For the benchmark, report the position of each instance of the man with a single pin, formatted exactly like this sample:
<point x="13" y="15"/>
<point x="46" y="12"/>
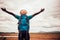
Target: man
<point x="23" y="24"/>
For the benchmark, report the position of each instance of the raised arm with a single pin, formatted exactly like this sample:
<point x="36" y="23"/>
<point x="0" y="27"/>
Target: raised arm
<point x="4" y="9"/>
<point x="38" y="12"/>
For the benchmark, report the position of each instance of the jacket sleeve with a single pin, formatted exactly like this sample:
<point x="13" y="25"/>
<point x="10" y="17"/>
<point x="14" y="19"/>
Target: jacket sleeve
<point x="30" y="17"/>
<point x="16" y="16"/>
<point x="38" y="12"/>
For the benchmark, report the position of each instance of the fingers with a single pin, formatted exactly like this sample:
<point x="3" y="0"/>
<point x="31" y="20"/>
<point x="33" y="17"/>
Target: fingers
<point x="4" y="9"/>
<point x="42" y="9"/>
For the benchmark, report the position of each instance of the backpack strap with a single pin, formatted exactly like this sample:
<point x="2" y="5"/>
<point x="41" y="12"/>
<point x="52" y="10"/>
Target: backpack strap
<point x="26" y="19"/>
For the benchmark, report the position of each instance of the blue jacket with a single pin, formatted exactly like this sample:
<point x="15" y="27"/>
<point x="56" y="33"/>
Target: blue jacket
<point x="23" y="25"/>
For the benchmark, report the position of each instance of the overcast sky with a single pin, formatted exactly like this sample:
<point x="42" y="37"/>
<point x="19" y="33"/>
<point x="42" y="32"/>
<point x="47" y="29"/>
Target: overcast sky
<point x="47" y="21"/>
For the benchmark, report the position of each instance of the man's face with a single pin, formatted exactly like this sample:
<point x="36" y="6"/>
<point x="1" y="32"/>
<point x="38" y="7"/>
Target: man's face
<point x="23" y="12"/>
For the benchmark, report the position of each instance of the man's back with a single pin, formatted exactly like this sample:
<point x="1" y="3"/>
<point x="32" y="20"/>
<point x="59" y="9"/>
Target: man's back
<point x="23" y="24"/>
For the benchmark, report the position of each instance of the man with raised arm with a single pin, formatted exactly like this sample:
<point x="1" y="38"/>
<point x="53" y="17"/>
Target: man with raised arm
<point x="23" y="24"/>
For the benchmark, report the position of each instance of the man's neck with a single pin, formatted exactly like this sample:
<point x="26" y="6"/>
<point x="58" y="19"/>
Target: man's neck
<point x="23" y="14"/>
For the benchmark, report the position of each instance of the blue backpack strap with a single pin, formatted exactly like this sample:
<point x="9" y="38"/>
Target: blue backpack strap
<point x="20" y="20"/>
<point x="26" y="19"/>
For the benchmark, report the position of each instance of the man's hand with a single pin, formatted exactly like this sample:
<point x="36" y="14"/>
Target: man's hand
<point x="42" y="10"/>
<point x="4" y="9"/>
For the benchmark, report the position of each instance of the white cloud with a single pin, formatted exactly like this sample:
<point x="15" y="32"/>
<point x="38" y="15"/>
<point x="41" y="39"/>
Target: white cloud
<point x="49" y="18"/>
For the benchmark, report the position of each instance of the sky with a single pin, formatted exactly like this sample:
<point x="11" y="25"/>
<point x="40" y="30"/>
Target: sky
<point x="47" y="21"/>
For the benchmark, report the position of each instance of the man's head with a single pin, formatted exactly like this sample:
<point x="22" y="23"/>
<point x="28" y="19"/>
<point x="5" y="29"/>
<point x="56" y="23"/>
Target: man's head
<point x="23" y="12"/>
